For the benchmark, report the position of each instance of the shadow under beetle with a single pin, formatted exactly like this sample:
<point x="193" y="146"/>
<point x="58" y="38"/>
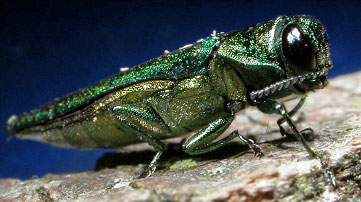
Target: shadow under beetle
<point x="198" y="87"/>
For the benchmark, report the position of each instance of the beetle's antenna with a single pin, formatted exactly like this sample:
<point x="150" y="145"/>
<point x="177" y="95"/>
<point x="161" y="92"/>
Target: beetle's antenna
<point x="285" y="84"/>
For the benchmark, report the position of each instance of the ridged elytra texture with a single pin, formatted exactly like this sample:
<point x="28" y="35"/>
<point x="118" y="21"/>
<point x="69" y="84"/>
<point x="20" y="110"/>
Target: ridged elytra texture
<point x="178" y="65"/>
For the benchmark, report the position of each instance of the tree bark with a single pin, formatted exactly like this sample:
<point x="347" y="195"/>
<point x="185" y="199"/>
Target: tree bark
<point x="284" y="173"/>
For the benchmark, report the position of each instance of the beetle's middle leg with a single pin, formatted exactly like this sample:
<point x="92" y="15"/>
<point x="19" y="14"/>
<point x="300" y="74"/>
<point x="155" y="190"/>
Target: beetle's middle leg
<point x="141" y="121"/>
<point x="201" y="142"/>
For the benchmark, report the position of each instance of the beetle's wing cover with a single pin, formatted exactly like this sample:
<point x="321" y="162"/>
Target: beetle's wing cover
<point x="182" y="63"/>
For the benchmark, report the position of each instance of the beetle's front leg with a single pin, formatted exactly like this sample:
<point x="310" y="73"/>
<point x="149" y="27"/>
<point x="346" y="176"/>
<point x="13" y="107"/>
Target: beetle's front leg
<point x="280" y="121"/>
<point x="270" y="106"/>
<point x="201" y="142"/>
<point x="140" y="121"/>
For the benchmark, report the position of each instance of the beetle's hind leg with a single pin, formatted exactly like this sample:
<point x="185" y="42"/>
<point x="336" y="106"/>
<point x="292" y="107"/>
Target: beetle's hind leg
<point x="143" y="122"/>
<point x="202" y="141"/>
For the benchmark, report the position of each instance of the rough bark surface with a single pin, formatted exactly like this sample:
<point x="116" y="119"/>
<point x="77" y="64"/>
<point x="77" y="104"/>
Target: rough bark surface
<point x="284" y="173"/>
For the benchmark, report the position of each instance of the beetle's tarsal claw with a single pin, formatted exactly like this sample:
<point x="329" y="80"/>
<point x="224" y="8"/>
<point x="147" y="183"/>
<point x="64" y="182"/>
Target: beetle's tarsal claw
<point x="330" y="178"/>
<point x="327" y="172"/>
<point x="152" y="166"/>
<point x="147" y="172"/>
<point x="256" y="149"/>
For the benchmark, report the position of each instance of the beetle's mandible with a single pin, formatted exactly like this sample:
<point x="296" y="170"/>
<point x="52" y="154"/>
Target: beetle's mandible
<point x="198" y="87"/>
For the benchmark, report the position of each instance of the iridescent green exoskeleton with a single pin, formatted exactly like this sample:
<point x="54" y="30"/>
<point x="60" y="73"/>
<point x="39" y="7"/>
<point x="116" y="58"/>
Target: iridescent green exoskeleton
<point x="198" y="87"/>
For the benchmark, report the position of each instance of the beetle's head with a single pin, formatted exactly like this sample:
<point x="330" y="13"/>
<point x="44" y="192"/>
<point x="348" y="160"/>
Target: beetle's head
<point x="305" y="52"/>
<point x="290" y="53"/>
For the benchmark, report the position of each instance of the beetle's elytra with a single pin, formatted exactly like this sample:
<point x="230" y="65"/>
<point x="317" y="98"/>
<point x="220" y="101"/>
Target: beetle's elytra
<point x="198" y="87"/>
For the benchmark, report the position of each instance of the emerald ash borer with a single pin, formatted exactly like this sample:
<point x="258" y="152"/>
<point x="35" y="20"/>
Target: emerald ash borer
<point x="197" y="88"/>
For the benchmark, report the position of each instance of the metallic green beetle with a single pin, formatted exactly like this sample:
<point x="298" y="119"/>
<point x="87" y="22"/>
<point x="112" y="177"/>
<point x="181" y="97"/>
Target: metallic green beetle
<point x="198" y="87"/>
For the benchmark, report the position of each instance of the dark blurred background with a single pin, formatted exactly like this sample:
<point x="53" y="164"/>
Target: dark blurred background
<point x="51" y="48"/>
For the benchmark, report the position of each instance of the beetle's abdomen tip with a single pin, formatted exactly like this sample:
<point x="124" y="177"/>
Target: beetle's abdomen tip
<point x="10" y="124"/>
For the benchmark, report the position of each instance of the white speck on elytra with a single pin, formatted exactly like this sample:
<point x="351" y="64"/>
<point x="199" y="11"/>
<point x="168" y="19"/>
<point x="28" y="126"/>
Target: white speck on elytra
<point x="214" y="33"/>
<point x="186" y="46"/>
<point x="124" y="69"/>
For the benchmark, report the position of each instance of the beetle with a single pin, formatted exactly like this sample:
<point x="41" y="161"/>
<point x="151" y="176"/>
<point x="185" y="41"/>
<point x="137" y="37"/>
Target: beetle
<point x="198" y="87"/>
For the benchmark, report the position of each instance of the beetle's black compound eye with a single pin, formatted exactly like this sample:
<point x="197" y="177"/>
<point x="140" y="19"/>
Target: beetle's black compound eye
<point x="297" y="49"/>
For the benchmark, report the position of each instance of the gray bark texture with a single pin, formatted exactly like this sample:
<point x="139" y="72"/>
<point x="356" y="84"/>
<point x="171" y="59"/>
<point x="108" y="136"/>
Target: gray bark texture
<point x="284" y="173"/>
